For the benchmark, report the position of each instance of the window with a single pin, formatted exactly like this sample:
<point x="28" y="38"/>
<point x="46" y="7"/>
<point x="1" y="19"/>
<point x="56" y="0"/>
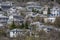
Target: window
<point x="0" y="9"/>
<point x="38" y="7"/>
<point x="30" y="7"/>
<point x="13" y="31"/>
<point x="52" y="0"/>
<point x="51" y="20"/>
<point x="54" y="14"/>
<point x="57" y="14"/>
<point x="6" y="7"/>
<point x="56" y="8"/>
<point x="51" y="14"/>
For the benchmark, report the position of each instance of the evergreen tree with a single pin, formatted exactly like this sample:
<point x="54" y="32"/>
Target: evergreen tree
<point x="37" y="11"/>
<point x="34" y="10"/>
<point x="26" y="25"/>
<point x="48" y="10"/>
<point x="12" y="26"/>
<point x="22" y="26"/>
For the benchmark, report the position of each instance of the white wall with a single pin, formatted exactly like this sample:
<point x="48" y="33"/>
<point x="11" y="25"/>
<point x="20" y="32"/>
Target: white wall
<point x="55" y="11"/>
<point x="52" y="20"/>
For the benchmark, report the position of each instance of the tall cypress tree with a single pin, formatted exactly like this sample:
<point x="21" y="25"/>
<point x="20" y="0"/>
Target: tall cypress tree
<point x="48" y="10"/>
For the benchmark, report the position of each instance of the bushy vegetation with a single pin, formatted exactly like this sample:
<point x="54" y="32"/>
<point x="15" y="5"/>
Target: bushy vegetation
<point x="41" y="35"/>
<point x="13" y="25"/>
<point x="35" y="11"/>
<point x="57" y="22"/>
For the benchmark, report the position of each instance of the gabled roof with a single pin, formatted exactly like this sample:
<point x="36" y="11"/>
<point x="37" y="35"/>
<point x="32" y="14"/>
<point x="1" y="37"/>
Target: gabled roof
<point x="33" y="3"/>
